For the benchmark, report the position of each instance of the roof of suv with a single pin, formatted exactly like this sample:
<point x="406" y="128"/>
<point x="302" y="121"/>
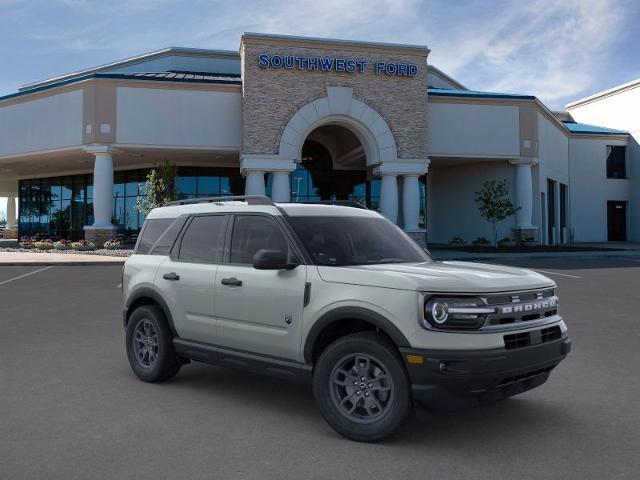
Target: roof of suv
<point x="293" y="209"/>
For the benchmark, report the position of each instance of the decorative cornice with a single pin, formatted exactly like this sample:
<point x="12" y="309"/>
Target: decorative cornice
<point x="533" y="161"/>
<point x="96" y="149"/>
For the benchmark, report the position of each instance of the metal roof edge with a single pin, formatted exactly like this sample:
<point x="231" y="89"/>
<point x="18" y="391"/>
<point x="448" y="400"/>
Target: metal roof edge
<point x="121" y="76"/>
<point x="604" y="93"/>
<point x="446" y="76"/>
<point x="129" y="61"/>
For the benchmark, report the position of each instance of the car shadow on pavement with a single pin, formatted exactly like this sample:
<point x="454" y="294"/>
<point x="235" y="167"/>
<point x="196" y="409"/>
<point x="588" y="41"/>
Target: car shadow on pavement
<point x="514" y="419"/>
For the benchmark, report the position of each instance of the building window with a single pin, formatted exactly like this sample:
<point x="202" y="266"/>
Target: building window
<point x="60" y="207"/>
<point x="616" y="161"/>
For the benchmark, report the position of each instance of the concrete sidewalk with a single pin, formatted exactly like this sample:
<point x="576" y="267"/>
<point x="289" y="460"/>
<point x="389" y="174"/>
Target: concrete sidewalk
<point x="37" y="259"/>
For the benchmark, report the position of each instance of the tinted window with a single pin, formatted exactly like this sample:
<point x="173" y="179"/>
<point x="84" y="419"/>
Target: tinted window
<point x="204" y="240"/>
<point x="616" y="167"/>
<point x="151" y="232"/>
<point x="339" y="241"/>
<point x="253" y="233"/>
<point x="168" y="238"/>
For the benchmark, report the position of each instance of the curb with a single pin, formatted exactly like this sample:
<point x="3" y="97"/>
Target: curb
<point x="72" y="263"/>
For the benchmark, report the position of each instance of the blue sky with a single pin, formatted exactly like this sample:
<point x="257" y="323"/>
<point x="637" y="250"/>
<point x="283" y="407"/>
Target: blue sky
<point x="558" y="50"/>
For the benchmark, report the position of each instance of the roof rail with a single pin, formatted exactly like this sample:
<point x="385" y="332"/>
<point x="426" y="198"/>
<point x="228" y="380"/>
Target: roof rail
<point x="250" y="199"/>
<point x="341" y="203"/>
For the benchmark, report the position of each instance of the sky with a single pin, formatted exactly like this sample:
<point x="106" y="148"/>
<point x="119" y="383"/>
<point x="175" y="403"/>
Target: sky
<point x="558" y="50"/>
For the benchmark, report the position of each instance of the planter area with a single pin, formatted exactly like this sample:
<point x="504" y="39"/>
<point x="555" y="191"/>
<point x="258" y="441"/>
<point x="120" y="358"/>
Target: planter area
<point x="123" y="252"/>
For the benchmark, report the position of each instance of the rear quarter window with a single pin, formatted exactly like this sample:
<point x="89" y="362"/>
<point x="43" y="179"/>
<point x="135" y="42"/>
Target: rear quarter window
<point x="152" y="231"/>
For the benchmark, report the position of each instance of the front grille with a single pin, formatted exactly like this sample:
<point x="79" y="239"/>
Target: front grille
<point x="535" y="337"/>
<point x="521" y="307"/>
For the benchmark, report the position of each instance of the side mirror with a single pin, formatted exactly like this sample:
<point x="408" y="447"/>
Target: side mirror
<point x="272" y="260"/>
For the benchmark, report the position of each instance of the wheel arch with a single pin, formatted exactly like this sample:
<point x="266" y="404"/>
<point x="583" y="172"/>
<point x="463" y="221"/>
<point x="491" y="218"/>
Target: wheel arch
<point x="148" y="296"/>
<point x="329" y="322"/>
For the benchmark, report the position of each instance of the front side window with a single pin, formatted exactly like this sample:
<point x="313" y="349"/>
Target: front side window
<point x="344" y="241"/>
<point x="203" y="241"/>
<point x="252" y="233"/>
<point x="616" y="161"/>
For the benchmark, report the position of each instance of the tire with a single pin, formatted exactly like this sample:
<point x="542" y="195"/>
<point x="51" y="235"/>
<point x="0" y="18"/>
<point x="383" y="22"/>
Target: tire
<point x="150" y="345"/>
<point x="384" y="400"/>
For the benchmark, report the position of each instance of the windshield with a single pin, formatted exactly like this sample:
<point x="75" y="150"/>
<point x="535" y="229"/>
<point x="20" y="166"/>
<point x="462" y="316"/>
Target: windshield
<point x="341" y="241"/>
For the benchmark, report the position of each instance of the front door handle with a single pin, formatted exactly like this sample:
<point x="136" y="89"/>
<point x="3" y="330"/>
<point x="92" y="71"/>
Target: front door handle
<point x="232" y="282"/>
<point x="171" y="276"/>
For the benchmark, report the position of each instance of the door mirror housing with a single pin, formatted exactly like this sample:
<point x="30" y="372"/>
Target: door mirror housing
<point x="272" y="260"/>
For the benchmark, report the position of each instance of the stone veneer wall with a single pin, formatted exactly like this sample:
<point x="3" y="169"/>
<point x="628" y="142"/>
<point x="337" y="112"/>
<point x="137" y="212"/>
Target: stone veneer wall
<point x="271" y="96"/>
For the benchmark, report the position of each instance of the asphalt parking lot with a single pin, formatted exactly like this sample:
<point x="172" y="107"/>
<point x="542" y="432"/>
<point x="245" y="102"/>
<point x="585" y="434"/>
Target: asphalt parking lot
<point x="71" y="408"/>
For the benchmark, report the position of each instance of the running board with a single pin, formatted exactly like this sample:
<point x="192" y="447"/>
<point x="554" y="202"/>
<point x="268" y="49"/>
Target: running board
<point x="224" y="357"/>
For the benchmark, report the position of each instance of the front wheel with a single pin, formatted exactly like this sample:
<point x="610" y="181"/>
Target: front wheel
<point x="362" y="388"/>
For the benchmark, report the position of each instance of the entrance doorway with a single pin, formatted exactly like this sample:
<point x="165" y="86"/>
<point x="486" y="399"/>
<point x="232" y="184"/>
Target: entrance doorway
<point x="617" y="221"/>
<point x="333" y="167"/>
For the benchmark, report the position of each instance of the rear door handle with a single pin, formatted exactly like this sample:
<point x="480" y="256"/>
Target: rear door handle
<point x="232" y="282"/>
<point x="171" y="276"/>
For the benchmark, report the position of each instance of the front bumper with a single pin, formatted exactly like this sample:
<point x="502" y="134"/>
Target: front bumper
<point x="453" y="379"/>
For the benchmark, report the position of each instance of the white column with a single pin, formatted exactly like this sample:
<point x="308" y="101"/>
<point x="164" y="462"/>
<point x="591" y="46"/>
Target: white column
<point x="103" y="189"/>
<point x="280" y="190"/>
<point x="254" y="182"/>
<point x="389" y="196"/>
<point x="11" y="212"/>
<point x="410" y="202"/>
<point x="524" y="192"/>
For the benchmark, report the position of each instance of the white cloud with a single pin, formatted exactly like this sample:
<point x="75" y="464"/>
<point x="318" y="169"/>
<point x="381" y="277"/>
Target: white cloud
<point x="553" y="49"/>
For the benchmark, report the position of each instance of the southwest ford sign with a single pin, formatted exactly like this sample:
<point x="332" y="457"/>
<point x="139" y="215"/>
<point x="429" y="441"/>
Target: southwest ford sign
<point x="335" y="64"/>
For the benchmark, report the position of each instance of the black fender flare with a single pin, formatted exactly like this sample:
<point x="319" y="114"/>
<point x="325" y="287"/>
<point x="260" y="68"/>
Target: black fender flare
<point x="355" y="313"/>
<point x="147" y="292"/>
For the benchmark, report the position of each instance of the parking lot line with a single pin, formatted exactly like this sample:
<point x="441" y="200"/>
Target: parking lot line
<point x="25" y="275"/>
<point x="556" y="273"/>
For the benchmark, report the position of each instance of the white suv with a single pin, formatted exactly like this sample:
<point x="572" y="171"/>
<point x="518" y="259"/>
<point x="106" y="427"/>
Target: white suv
<point x="339" y="296"/>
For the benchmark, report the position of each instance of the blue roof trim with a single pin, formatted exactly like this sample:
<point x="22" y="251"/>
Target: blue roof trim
<point x="226" y="79"/>
<point x="575" y="127"/>
<point x="445" y="92"/>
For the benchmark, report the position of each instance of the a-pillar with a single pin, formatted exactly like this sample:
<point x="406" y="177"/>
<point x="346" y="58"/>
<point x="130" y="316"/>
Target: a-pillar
<point x="524" y="198"/>
<point x="102" y="229"/>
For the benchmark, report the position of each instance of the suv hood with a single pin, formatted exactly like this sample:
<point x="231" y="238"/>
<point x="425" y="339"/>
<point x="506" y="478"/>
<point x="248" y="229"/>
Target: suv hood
<point x="450" y="277"/>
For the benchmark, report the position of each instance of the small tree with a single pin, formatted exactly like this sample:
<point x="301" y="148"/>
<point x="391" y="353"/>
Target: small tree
<point x="494" y="203"/>
<point x="159" y="188"/>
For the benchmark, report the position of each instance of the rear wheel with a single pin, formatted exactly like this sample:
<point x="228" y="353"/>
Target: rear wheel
<point x="150" y="345"/>
<point x="361" y="387"/>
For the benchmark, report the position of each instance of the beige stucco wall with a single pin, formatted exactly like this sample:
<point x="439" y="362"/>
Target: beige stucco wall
<point x="272" y="96"/>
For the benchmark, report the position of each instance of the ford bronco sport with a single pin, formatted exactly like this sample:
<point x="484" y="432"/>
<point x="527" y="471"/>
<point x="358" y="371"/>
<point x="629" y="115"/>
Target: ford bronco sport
<point x="339" y="296"/>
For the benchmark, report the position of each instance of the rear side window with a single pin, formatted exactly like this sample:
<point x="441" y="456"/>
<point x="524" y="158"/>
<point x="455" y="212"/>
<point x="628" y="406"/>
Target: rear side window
<point x="252" y="233"/>
<point x="168" y="238"/>
<point x="203" y="241"/>
<point x="150" y="234"/>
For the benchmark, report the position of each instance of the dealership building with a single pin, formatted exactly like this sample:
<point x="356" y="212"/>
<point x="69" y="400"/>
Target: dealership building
<point x="307" y="120"/>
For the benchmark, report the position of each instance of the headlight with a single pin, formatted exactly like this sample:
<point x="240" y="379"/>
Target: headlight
<point x="455" y="312"/>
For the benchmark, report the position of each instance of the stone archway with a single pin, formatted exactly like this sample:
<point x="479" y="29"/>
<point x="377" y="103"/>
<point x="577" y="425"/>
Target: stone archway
<point x="340" y="108"/>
